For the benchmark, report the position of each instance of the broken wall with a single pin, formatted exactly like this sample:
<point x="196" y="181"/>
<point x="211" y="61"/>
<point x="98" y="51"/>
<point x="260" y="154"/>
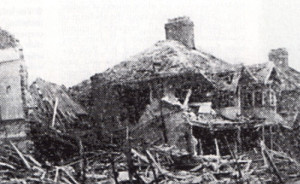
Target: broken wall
<point x="163" y="122"/>
<point x="115" y="106"/>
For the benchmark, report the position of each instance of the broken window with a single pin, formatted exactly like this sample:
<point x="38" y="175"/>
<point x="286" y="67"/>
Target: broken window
<point x="259" y="100"/>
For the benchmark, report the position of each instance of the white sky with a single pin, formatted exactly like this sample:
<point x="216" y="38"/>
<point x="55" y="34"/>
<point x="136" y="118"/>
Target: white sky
<point x="67" y="41"/>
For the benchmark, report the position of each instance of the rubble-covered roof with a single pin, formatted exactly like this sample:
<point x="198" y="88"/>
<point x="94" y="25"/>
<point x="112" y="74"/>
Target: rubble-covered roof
<point x="290" y="78"/>
<point x="7" y="40"/>
<point x="10" y="49"/>
<point x="227" y="80"/>
<point x="165" y="58"/>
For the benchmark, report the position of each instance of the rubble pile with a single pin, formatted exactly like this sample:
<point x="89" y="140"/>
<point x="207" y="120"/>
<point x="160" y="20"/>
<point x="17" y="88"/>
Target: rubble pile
<point x="165" y="164"/>
<point x="156" y="164"/>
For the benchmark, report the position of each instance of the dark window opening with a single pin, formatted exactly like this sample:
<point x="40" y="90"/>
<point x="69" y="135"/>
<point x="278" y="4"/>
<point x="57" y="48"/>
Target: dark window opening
<point x="272" y="98"/>
<point x="259" y="100"/>
<point x="247" y="100"/>
<point x="8" y="89"/>
<point x="225" y="99"/>
<point x="266" y="98"/>
<point x="229" y="79"/>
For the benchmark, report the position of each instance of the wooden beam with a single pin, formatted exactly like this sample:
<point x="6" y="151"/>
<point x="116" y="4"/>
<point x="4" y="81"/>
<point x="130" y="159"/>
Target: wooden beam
<point x="263" y="132"/>
<point x="217" y="148"/>
<point x="54" y="112"/>
<point x="26" y="163"/>
<point x="239" y="140"/>
<point x="271" y="138"/>
<point x="270" y="162"/>
<point x="200" y="151"/>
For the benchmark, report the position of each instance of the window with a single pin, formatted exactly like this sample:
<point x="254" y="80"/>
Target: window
<point x="272" y="98"/>
<point x="8" y="89"/>
<point x="225" y="99"/>
<point x="266" y="96"/>
<point x="247" y="99"/>
<point x="259" y="100"/>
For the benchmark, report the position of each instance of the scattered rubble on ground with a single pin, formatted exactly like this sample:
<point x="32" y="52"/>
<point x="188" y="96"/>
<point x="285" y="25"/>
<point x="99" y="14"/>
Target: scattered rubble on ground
<point x="157" y="164"/>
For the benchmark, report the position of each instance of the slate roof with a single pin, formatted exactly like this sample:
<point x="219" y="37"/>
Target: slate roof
<point x="261" y="71"/>
<point x="227" y="80"/>
<point x="289" y="77"/>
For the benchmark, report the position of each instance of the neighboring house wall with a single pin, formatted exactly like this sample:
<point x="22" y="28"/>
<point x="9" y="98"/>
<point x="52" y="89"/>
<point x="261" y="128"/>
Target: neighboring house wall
<point x="13" y="86"/>
<point x="13" y="89"/>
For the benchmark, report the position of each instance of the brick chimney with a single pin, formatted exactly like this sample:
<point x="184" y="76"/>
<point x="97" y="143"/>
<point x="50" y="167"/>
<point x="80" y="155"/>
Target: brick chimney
<point x="181" y="29"/>
<point x="280" y="57"/>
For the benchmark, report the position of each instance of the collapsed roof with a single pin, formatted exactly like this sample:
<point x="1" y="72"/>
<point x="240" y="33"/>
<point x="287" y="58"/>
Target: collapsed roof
<point x="44" y="95"/>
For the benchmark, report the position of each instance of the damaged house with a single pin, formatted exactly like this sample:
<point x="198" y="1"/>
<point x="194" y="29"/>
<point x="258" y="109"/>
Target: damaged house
<point x="177" y="94"/>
